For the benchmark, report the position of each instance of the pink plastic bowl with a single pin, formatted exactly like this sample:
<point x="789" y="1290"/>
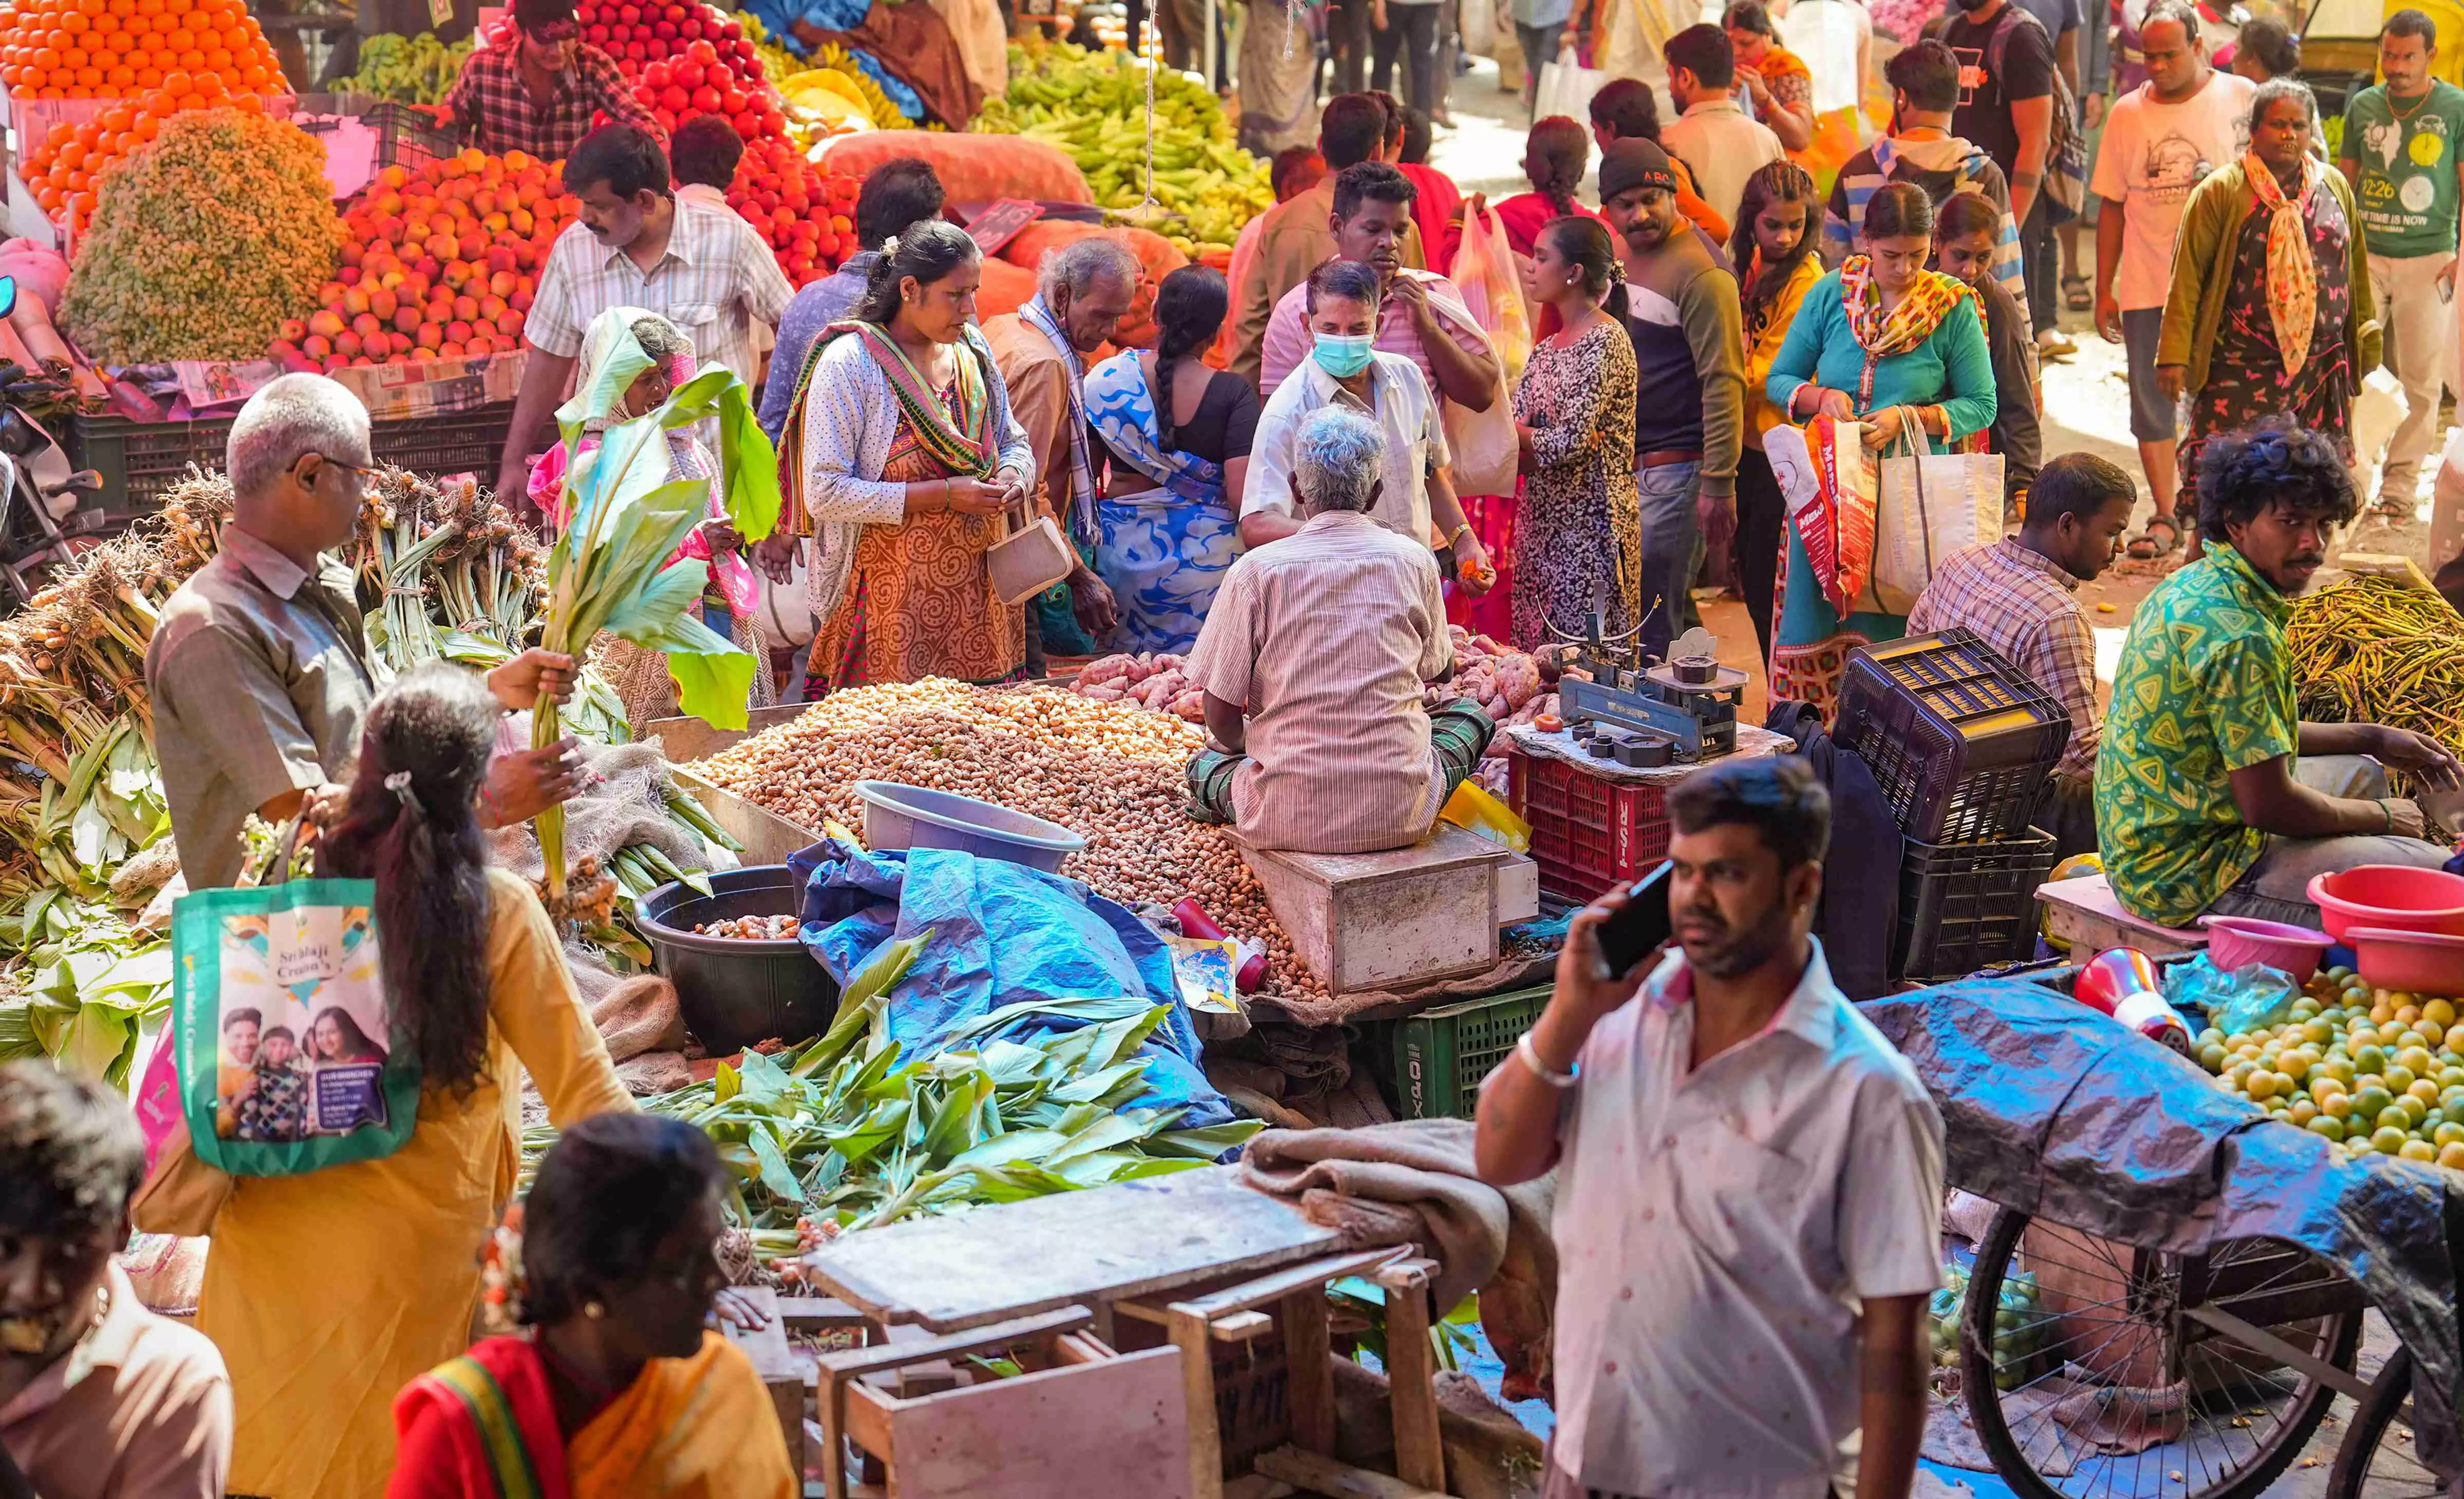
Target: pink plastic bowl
<point x="2418" y="962"/>
<point x="2236" y="942"/>
<point x="2391" y="896"/>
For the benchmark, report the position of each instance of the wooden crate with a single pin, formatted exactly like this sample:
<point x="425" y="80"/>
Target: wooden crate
<point x="1394" y="918"/>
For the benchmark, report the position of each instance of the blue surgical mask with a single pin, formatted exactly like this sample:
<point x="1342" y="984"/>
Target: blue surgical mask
<point x="1343" y="355"/>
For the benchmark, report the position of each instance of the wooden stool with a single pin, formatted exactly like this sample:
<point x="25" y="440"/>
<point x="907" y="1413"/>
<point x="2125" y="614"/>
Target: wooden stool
<point x="1400" y="916"/>
<point x="2084" y="912"/>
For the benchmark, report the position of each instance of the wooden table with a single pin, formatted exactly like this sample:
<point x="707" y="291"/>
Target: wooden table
<point x="1084" y="1249"/>
<point x="2084" y="912"/>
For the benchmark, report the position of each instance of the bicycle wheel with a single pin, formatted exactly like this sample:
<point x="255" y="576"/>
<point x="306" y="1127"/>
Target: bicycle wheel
<point x="2376" y="1460"/>
<point x="2103" y="1389"/>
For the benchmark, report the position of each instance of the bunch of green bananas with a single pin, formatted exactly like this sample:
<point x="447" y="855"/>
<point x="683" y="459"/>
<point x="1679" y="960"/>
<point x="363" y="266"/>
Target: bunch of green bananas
<point x="409" y="70"/>
<point x="1092" y="105"/>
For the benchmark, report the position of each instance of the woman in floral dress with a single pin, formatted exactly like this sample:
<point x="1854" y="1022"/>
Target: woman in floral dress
<point x="1578" y="541"/>
<point x="2270" y="313"/>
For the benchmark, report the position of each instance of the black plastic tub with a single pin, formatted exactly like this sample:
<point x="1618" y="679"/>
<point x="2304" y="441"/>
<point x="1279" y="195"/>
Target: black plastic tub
<point x="736" y="992"/>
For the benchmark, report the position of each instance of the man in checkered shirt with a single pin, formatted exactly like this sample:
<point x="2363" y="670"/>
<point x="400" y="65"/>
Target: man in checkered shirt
<point x="2018" y="595"/>
<point x="635" y="245"/>
<point x="541" y="93"/>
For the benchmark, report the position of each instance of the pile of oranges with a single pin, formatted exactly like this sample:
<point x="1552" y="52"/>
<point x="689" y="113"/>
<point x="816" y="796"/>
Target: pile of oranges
<point x="125" y="49"/>
<point x="66" y="170"/>
<point x="437" y="264"/>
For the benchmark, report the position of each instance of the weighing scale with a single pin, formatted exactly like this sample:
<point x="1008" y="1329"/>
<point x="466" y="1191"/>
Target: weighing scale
<point x="1690" y="701"/>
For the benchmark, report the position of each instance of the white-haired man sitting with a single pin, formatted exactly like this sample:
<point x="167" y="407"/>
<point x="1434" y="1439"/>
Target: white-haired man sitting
<point x="259" y="671"/>
<point x="1313" y="659"/>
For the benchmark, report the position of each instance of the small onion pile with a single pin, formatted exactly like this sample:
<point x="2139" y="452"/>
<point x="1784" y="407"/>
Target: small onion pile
<point x="749" y="929"/>
<point x="1109" y="771"/>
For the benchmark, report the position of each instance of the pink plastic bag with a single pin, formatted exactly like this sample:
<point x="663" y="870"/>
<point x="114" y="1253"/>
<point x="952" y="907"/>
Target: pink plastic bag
<point x="157" y="1101"/>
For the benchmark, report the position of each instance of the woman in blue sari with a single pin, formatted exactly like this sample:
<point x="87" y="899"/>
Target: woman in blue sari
<point x="1177" y="435"/>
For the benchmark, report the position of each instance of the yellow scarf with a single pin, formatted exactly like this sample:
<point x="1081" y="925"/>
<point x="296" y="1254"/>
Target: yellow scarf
<point x="689" y="1428"/>
<point x="2292" y="280"/>
<point x="1930" y="297"/>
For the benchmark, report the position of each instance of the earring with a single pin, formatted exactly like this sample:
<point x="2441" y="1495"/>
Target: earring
<point x="593" y="1310"/>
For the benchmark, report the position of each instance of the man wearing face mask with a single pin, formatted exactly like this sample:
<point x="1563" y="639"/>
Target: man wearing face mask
<point x="1083" y="290"/>
<point x="1347" y="369"/>
<point x="99" y="1398"/>
<point x="1685" y="314"/>
<point x="2211" y="794"/>
<point x="539" y="93"/>
<point x="1748" y="1180"/>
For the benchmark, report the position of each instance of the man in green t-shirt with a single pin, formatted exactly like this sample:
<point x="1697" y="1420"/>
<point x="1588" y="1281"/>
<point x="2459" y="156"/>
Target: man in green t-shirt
<point x="2400" y="153"/>
<point x="2211" y="794"/>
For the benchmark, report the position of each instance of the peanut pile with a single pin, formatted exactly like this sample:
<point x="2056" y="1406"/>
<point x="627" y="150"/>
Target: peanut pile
<point x="1109" y="771"/>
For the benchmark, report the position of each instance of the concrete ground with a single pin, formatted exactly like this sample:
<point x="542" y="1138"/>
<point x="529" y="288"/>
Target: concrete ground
<point x="2085" y="397"/>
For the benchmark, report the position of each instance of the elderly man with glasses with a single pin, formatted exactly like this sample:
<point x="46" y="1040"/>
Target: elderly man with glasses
<point x="1312" y="662"/>
<point x="539" y="94"/>
<point x="259" y="671"/>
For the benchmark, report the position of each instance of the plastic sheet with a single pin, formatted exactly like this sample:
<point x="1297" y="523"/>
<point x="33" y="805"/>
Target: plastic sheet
<point x="1003" y="933"/>
<point x="2250" y="997"/>
<point x="2053" y="1109"/>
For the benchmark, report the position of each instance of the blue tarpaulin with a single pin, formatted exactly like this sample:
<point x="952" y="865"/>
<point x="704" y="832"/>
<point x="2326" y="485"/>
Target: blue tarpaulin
<point x="1003" y="933"/>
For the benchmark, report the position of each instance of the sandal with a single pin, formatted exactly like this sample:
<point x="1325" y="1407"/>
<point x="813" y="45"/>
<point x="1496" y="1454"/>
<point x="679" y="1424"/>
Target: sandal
<point x="2076" y="295"/>
<point x="2147" y="545"/>
<point x="2395" y="510"/>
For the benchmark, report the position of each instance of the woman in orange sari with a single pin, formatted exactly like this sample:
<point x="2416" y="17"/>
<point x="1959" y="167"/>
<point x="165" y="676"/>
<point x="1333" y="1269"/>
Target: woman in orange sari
<point x="900" y="451"/>
<point x="619" y="1391"/>
<point x="1782" y="85"/>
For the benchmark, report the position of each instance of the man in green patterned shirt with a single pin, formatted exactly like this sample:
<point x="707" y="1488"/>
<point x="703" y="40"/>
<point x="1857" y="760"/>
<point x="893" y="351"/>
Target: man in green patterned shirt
<point x="2212" y="795"/>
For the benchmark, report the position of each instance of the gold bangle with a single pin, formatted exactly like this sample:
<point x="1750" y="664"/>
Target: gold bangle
<point x="1457" y="534"/>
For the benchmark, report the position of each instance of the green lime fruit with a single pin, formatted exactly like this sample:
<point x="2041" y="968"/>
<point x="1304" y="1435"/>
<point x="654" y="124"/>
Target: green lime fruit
<point x="2329" y="1125"/>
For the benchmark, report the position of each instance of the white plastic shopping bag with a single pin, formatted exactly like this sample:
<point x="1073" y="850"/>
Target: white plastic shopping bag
<point x="1930" y="507"/>
<point x="1567" y="86"/>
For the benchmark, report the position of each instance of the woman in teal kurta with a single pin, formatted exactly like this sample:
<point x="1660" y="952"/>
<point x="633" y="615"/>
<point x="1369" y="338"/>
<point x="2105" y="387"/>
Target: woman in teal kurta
<point x="1875" y="340"/>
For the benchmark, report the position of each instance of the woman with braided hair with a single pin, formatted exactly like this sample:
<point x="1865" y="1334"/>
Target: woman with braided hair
<point x="1177" y="434"/>
<point x="1555" y="155"/>
<point x="478" y="990"/>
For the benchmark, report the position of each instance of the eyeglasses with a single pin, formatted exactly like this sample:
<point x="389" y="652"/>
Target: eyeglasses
<point x="363" y="470"/>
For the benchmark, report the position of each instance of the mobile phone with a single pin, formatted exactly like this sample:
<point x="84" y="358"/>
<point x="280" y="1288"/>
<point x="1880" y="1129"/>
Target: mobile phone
<point x="1628" y="936"/>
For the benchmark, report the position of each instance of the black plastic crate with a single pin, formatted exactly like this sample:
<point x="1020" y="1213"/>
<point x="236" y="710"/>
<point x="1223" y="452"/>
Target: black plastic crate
<point x="1959" y="741"/>
<point x="1968" y="906"/>
<point x="140" y="460"/>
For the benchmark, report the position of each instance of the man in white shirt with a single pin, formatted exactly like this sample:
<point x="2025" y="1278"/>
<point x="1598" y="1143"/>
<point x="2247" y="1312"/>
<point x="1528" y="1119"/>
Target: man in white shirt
<point x="635" y="245"/>
<point x="2160" y="140"/>
<point x="1749" y="1180"/>
<point x="1417" y="498"/>
<point x="1312" y="662"/>
<point x="1718" y="141"/>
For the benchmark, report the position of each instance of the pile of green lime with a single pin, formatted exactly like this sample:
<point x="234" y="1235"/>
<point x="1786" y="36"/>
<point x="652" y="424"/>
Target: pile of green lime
<point x="2018" y="1324"/>
<point x="2375" y="1071"/>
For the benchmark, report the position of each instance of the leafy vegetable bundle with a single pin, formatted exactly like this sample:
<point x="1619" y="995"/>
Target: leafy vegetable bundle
<point x="849" y="1133"/>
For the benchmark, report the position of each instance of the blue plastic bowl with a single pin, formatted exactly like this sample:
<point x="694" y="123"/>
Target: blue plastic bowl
<point x="898" y="816"/>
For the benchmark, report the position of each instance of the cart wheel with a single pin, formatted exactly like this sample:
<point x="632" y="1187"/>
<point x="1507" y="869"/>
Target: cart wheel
<point x="2104" y="1360"/>
<point x="2376" y="1460"/>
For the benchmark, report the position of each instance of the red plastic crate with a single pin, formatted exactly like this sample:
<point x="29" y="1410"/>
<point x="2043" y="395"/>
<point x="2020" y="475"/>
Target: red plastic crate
<point x="1588" y="832"/>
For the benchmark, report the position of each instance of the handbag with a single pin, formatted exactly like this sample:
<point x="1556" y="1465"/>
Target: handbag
<point x="1028" y="560"/>
<point x="1928" y="508"/>
<point x="1567" y="86"/>
<point x="289" y="1057"/>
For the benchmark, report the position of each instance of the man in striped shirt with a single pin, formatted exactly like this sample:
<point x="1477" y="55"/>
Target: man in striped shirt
<point x="1924" y="94"/>
<point x="1312" y="661"/>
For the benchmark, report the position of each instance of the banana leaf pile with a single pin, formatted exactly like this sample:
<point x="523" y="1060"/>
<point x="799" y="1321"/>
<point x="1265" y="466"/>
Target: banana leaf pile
<point x="849" y="1133"/>
<point x="91" y="985"/>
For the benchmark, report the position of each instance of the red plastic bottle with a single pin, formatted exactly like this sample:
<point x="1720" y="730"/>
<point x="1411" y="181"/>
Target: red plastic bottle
<point x="1195" y="923"/>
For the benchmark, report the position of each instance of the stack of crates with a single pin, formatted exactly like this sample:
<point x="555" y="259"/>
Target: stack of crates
<point x="1962" y="745"/>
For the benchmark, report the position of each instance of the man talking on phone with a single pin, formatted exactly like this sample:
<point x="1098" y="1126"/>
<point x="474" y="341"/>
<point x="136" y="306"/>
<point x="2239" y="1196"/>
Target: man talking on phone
<point x="1749" y="1178"/>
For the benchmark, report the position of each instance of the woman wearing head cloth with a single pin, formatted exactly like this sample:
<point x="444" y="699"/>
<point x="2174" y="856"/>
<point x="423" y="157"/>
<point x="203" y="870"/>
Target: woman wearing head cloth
<point x="638" y="673"/>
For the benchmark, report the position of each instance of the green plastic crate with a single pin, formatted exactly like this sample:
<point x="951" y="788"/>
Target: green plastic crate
<point x="1441" y="1055"/>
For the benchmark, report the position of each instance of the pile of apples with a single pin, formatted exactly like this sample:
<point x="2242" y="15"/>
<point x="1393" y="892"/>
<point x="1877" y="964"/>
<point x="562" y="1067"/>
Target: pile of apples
<point x="438" y="264"/>
<point x="807" y="217"/>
